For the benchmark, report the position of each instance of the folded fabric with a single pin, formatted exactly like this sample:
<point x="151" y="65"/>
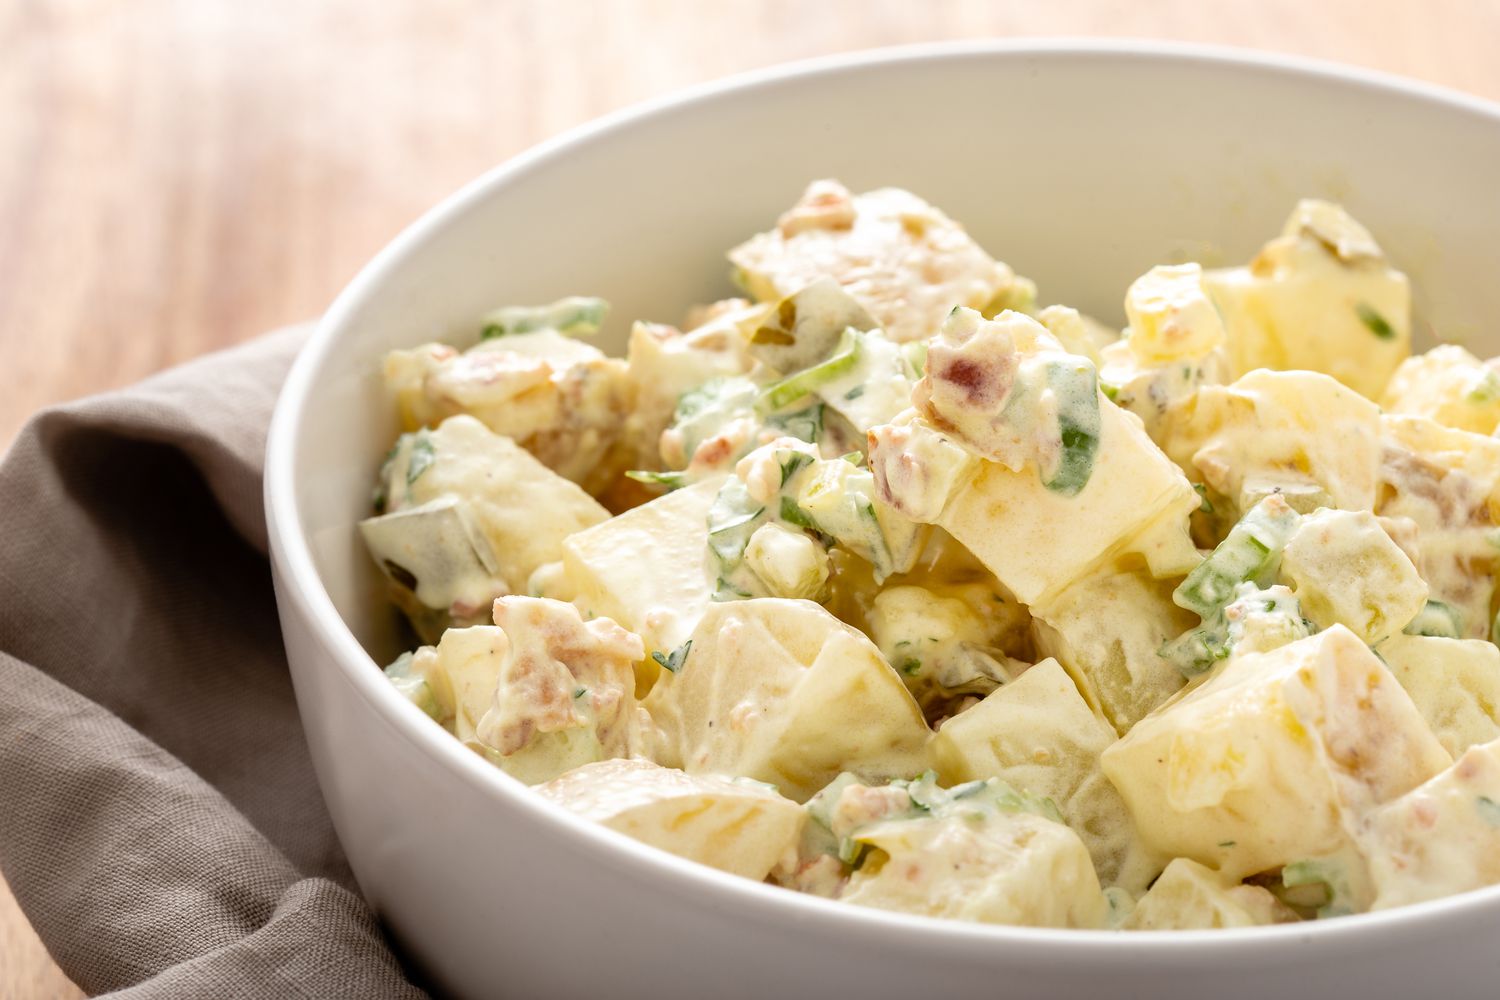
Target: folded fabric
<point x="160" y="822"/>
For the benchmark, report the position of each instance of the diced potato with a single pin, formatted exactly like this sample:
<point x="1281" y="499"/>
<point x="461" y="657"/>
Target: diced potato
<point x="943" y="647"/>
<point x="1344" y="569"/>
<point x="783" y="692"/>
<point x="1274" y="757"/>
<point x="560" y="399"/>
<point x="1171" y="316"/>
<point x="663" y="363"/>
<point x="1003" y="868"/>
<point x="648" y="568"/>
<point x="1078" y="334"/>
<point x="470" y="516"/>
<point x="1455" y="684"/>
<point x="734" y="825"/>
<point x="1442" y="837"/>
<point x="1279" y="429"/>
<point x="1037" y="734"/>
<point x="1447" y="482"/>
<point x="1190" y="897"/>
<point x="1107" y="630"/>
<point x="541" y="692"/>
<point x="1320" y="297"/>
<point x="902" y="259"/>
<point x="1449" y="385"/>
<point x="1036" y="541"/>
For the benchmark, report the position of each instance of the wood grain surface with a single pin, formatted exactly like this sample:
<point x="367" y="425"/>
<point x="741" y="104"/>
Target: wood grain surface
<point x="177" y="177"/>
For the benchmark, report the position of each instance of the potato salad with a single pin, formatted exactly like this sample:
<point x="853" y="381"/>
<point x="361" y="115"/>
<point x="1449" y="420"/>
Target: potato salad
<point x="886" y="583"/>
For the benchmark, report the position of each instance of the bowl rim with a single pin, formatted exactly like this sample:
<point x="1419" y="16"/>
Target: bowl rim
<point x="301" y="584"/>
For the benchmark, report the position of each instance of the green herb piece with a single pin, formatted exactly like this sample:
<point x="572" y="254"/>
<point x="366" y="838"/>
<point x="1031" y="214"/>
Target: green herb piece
<point x="793" y="463"/>
<point x="804" y="425"/>
<point x="731" y="521"/>
<point x="421" y="458"/>
<point x="911" y="667"/>
<point x="727" y="591"/>
<point x="1486" y="392"/>
<point x="855" y="393"/>
<point x="1489" y="810"/>
<point x="674" y="660"/>
<point x="792" y="514"/>
<point x="1336" y="901"/>
<point x="378" y="498"/>
<point x="671" y="480"/>
<point x="1437" y="619"/>
<point x="1205" y="506"/>
<point x="1227" y="843"/>
<point x="1249" y="552"/>
<point x="808" y="380"/>
<point x="1076" y="389"/>
<point x="1374" y="322"/>
<point x="579" y="693"/>
<point x="575" y="316"/>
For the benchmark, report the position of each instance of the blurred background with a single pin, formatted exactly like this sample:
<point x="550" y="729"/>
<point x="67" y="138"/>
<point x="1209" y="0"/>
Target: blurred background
<point x="176" y="177"/>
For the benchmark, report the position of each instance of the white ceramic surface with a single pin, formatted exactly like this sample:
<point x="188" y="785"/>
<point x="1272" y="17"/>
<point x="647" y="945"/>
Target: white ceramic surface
<point x="1079" y="164"/>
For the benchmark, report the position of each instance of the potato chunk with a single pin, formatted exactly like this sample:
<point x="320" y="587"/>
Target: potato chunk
<point x="1037" y="734"/>
<point x="1455" y="684"/>
<point x="734" y="825"/>
<point x="1449" y="385"/>
<point x="901" y="258"/>
<point x="469" y="516"/>
<point x="1292" y="431"/>
<point x="1275" y="757"/>
<point x="1442" y="837"/>
<point x="1320" y="297"/>
<point x="1012" y="448"/>
<point x="647" y="568"/>
<point x="781" y="691"/>
<point x="1107" y="630"/>
<point x="1446" y="482"/>
<point x="557" y="397"/>
<point x="1190" y="897"/>
<point x="1344" y="569"/>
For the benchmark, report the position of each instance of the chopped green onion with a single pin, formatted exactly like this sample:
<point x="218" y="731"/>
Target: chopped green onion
<point x="575" y="316"/>
<point x="422" y="456"/>
<point x="807" y="381"/>
<point x="1375" y="322"/>
<point x="674" y="660"/>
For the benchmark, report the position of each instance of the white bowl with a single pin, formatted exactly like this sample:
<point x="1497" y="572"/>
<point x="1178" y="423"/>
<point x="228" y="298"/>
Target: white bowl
<point x="1079" y="164"/>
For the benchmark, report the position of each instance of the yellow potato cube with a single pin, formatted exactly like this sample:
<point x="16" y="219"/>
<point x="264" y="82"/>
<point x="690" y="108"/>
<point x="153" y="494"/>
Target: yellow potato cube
<point x="1344" y="569"/>
<point x="1285" y="429"/>
<point x="1171" y="316"/>
<point x="1321" y="297"/>
<point x="1449" y="385"/>
<point x="1005" y="868"/>
<point x="731" y="824"/>
<point x="1455" y="684"/>
<point x="1442" y="837"/>
<point x="648" y="568"/>
<point x="1037" y="734"/>
<point x="1190" y="897"/>
<point x="781" y="691"/>
<point x="1037" y="541"/>
<point x="1275" y="757"/>
<point x="1106" y="630"/>
<point x="899" y="257"/>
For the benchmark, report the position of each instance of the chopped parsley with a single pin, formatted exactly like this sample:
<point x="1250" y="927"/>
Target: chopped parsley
<point x="674" y="660"/>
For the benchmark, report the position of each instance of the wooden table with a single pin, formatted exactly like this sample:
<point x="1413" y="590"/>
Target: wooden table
<point x="177" y="177"/>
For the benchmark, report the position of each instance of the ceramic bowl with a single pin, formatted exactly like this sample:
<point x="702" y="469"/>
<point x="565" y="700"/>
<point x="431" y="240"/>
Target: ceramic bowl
<point x="1079" y="164"/>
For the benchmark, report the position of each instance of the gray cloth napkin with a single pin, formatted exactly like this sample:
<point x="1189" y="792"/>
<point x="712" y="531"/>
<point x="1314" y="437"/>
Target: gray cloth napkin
<point x="160" y="823"/>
